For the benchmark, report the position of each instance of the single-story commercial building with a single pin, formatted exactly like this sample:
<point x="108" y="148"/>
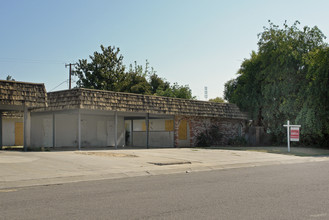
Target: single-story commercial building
<point x="96" y="118"/>
<point x="17" y="100"/>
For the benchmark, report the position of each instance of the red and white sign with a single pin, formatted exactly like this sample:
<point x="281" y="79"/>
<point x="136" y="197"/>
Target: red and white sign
<point x="294" y="134"/>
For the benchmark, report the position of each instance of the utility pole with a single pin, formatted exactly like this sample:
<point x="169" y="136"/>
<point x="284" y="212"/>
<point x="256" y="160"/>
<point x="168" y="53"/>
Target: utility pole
<point x="70" y="73"/>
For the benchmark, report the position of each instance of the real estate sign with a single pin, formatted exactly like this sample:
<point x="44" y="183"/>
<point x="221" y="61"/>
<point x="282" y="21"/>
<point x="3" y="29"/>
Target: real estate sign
<point x="294" y="133"/>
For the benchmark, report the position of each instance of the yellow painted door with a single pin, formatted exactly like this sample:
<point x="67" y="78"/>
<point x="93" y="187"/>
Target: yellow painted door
<point x="182" y="130"/>
<point x="19" y="134"/>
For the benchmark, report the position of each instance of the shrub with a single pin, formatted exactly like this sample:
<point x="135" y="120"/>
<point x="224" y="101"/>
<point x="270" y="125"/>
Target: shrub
<point x="237" y="141"/>
<point x="210" y="136"/>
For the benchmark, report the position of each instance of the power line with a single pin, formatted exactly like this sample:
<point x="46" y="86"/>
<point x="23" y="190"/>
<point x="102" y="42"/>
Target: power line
<point x="59" y="85"/>
<point x="23" y="60"/>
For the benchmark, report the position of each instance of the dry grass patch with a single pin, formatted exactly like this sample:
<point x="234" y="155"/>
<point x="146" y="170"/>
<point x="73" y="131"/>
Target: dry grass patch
<point x="296" y="151"/>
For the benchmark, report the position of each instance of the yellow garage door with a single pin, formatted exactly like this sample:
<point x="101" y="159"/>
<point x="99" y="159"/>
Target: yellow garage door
<point x="19" y="134"/>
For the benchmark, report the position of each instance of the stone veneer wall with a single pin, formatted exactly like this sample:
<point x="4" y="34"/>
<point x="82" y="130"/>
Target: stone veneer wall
<point x="230" y="128"/>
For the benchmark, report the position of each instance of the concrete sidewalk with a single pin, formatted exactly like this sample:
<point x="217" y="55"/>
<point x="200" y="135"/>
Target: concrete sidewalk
<point x="19" y="169"/>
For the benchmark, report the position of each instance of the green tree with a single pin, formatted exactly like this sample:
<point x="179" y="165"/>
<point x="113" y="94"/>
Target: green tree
<point x="217" y="99"/>
<point x="176" y="91"/>
<point x="105" y="71"/>
<point x="271" y="84"/>
<point x="314" y="114"/>
<point x="134" y="81"/>
<point x="157" y="83"/>
<point x="282" y="52"/>
<point x="245" y="90"/>
<point x="10" y="78"/>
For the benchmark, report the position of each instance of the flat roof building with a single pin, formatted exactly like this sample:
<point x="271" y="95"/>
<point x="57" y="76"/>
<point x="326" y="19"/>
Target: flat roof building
<point x="97" y="118"/>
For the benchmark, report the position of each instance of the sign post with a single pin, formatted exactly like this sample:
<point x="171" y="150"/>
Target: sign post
<point x="292" y="133"/>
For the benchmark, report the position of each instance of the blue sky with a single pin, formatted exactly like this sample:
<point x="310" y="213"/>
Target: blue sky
<point x="196" y="43"/>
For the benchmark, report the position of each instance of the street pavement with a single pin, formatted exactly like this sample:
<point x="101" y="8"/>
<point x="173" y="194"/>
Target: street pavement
<point x="20" y="169"/>
<point x="288" y="191"/>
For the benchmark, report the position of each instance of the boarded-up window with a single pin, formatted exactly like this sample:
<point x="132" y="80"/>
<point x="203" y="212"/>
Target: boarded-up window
<point x="19" y="140"/>
<point x="169" y="125"/>
<point x="143" y="126"/>
<point x="182" y="130"/>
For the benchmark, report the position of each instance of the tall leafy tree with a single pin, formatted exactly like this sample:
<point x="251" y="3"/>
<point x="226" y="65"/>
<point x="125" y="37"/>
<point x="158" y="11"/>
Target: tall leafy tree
<point x="105" y="71"/>
<point x="282" y="52"/>
<point x="245" y="90"/>
<point x="271" y="84"/>
<point x="314" y="113"/>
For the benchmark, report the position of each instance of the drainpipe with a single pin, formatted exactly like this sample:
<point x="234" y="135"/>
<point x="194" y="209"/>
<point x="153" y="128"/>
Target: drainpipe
<point x="25" y="128"/>
<point x="116" y="129"/>
<point x="0" y="130"/>
<point x="147" y="130"/>
<point x="79" y="130"/>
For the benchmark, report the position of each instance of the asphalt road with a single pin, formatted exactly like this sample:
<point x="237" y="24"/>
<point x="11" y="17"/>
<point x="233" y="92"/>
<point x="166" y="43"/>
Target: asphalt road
<point x="296" y="191"/>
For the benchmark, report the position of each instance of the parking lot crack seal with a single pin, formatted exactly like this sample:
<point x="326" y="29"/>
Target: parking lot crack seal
<point x="170" y="163"/>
